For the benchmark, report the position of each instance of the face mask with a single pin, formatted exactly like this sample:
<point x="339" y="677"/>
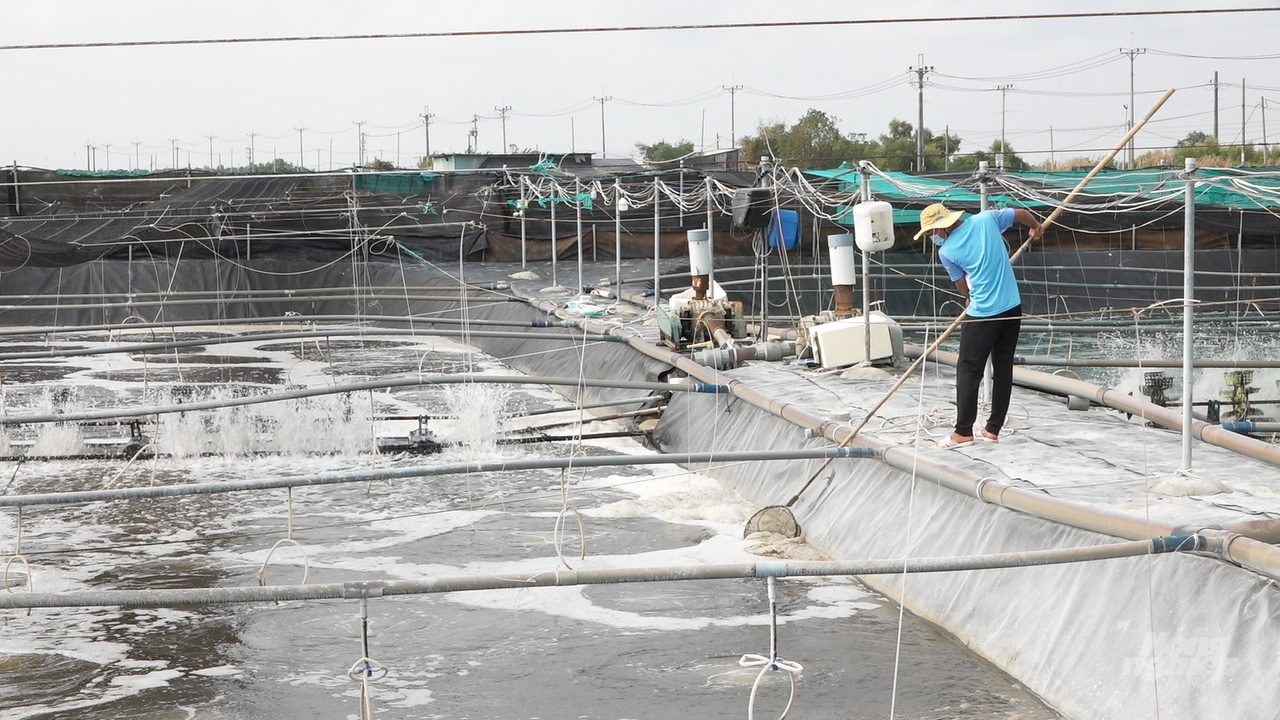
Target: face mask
<point x="937" y="240"/>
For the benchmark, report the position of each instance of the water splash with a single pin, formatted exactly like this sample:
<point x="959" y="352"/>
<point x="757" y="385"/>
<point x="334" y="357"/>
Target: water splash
<point x="480" y="411"/>
<point x="327" y="424"/>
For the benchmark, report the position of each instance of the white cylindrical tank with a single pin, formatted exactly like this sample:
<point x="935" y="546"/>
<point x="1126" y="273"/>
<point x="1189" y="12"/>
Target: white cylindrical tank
<point x="873" y="225"/>
<point x="699" y="251"/>
<point x="844" y="270"/>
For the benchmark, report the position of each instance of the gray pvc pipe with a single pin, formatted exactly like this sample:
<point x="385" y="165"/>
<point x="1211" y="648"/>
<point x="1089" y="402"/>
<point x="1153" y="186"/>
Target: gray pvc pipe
<point x="216" y="488"/>
<point x="315" y="334"/>
<point x="276" y="319"/>
<point x="356" y="387"/>
<point x="567" y="578"/>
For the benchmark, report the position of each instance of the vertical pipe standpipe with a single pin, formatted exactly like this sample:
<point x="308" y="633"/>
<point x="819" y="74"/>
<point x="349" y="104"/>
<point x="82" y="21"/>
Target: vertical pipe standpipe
<point x="860" y="228"/>
<point x="555" y="246"/>
<point x="843" y="272"/>
<point x="699" y="262"/>
<point x="524" y="217"/>
<point x="619" y="207"/>
<point x="1188" y="310"/>
<point x="577" y="206"/>
<point x="711" y="242"/>
<point x="983" y="200"/>
<point x="657" y="243"/>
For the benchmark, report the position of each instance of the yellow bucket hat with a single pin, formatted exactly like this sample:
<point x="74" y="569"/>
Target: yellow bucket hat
<point x="936" y="216"/>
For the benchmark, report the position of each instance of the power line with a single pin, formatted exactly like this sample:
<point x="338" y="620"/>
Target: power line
<point x="643" y="28"/>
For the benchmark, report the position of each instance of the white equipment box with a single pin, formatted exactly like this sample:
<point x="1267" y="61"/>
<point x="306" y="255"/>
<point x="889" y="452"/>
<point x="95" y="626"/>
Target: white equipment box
<point x="843" y="342"/>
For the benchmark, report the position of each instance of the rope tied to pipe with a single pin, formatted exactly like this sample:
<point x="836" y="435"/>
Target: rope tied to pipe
<point x="772" y="662"/>
<point x="26" y="566"/>
<point x="558" y="537"/>
<point x="287" y="540"/>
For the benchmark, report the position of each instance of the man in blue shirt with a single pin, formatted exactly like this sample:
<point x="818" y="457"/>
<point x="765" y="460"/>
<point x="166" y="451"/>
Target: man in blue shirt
<point x="977" y="261"/>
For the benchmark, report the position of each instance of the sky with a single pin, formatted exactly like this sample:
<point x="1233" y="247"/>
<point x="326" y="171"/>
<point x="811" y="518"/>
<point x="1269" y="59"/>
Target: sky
<point x="143" y="107"/>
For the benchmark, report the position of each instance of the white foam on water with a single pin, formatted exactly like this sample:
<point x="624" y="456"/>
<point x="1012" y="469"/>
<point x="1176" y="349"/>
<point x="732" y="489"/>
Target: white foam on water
<point x="573" y="603"/>
<point x="146" y="681"/>
<point x="218" y="671"/>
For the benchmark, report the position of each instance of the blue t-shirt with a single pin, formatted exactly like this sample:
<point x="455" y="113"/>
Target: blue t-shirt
<point x="976" y="251"/>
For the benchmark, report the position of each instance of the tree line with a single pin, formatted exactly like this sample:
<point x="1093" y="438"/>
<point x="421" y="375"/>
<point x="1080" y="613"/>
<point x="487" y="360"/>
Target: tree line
<point x="815" y="142"/>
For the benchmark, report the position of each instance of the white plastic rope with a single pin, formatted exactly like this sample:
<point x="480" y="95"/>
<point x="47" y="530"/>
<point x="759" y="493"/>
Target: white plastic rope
<point x="287" y="540"/>
<point x="772" y="662"/>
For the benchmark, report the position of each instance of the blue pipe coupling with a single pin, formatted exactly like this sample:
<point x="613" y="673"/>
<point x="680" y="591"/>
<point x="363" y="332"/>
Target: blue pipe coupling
<point x="1179" y="543"/>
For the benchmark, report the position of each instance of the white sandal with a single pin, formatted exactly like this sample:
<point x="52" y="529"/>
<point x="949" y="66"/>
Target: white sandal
<point x="950" y="443"/>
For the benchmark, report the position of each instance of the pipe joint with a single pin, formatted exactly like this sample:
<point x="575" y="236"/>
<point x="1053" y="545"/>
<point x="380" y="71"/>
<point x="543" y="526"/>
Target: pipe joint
<point x="980" y="487"/>
<point x="1180" y="543"/>
<point x="771" y="568"/>
<point x="362" y="589"/>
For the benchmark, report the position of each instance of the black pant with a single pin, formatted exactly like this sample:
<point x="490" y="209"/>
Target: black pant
<point x="995" y="337"/>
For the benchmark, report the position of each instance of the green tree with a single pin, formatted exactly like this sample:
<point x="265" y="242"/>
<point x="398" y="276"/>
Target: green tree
<point x="663" y="151"/>
<point x="814" y="142"/>
<point x="1012" y="161"/>
<point x="1208" y="153"/>
<point x="277" y="166"/>
<point x="896" y="150"/>
<point x="380" y="164"/>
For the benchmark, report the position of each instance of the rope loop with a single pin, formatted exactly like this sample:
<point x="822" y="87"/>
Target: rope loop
<point x="26" y="567"/>
<point x="364" y="671"/>
<point x="306" y="564"/>
<point x="767" y="664"/>
<point x="367" y="670"/>
<point x="559" y="535"/>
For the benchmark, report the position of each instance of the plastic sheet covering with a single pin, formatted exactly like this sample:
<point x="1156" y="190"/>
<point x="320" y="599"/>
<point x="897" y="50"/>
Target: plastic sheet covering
<point x="1192" y="636"/>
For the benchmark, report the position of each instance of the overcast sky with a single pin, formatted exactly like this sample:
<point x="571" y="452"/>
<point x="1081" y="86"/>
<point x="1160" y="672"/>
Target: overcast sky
<point x="1067" y="74"/>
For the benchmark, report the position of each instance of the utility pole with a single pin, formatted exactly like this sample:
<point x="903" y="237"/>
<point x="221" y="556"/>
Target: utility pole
<point x="502" y="112"/>
<point x="211" y="137"/>
<point x="1266" y="148"/>
<point x="1003" y="144"/>
<point x="173" y="150"/>
<point x="733" y="112"/>
<point x="1215" y="107"/>
<point x="252" y="150"/>
<point x="920" y="72"/>
<point x="88" y="157"/>
<point x="360" y="139"/>
<point x="1243" y="121"/>
<point x="136" y="143"/>
<point x="426" y="128"/>
<point x="1132" y="53"/>
<point x="946" y="146"/>
<point x="302" y="159"/>
<point x="602" y="101"/>
<point x="107" y="160"/>
<point x="473" y="135"/>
